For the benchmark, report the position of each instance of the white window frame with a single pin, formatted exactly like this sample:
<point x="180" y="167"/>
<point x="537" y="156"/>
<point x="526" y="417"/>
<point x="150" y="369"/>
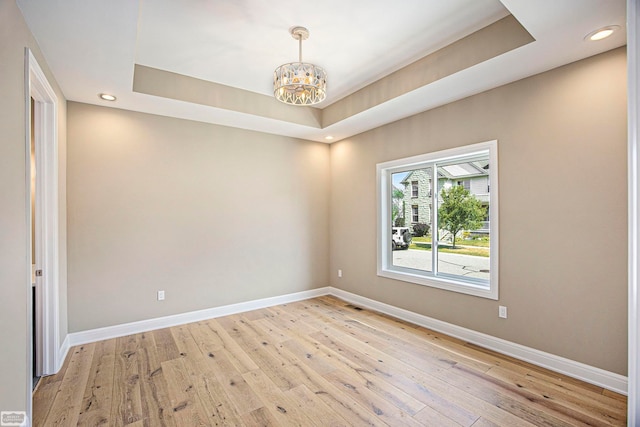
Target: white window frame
<point x="415" y="214"/>
<point x="385" y="265"/>
<point x="465" y="183"/>
<point x="415" y="190"/>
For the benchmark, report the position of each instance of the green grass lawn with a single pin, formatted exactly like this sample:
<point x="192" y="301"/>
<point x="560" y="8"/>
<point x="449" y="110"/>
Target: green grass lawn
<point x="484" y="243"/>
<point x="463" y="247"/>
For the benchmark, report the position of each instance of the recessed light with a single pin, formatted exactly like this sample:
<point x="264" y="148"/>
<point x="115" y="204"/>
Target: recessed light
<point x="328" y="137"/>
<point x="107" y="97"/>
<point x="601" y="33"/>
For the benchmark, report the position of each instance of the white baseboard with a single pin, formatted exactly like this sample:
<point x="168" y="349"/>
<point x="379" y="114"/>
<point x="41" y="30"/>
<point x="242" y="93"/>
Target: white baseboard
<point x="125" y="329"/>
<point x="581" y="371"/>
<point x="62" y="352"/>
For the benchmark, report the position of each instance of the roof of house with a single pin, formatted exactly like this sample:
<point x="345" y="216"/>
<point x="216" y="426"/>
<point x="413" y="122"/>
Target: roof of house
<point x="457" y="171"/>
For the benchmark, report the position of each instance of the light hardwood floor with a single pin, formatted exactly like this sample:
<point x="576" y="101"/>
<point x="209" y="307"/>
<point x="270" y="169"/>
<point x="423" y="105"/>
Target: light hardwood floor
<point x="319" y="362"/>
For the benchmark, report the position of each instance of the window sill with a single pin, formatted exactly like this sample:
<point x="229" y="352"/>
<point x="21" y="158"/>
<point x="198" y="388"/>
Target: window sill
<point x="459" y="286"/>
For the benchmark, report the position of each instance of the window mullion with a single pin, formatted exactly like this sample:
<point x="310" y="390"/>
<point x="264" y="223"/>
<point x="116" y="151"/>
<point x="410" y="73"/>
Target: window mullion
<point x="434" y="219"/>
<point x="389" y="252"/>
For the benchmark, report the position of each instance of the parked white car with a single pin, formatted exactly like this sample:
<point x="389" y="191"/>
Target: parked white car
<point x="400" y="238"/>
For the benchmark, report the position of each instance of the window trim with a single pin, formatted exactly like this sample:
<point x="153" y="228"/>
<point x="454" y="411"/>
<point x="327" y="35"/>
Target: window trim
<point x="385" y="267"/>
<point x="465" y="183"/>
<point x="415" y="190"/>
<point x="415" y="214"/>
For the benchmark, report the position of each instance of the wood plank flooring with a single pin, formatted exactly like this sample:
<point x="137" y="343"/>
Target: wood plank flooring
<point x="319" y="362"/>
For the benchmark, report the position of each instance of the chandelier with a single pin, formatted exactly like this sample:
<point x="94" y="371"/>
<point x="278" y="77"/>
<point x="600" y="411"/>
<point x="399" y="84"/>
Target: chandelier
<point x="299" y="83"/>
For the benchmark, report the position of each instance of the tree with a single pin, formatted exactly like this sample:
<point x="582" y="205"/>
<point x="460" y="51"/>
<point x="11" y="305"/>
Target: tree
<point x="397" y="196"/>
<point x="459" y="210"/>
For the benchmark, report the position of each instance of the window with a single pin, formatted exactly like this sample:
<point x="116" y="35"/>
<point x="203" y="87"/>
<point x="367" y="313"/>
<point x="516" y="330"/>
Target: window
<point x="465" y="183"/>
<point x="455" y="240"/>
<point x="414" y="189"/>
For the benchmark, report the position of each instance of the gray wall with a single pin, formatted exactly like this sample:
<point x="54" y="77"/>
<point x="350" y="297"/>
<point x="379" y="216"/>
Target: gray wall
<point x="563" y="210"/>
<point x="15" y="268"/>
<point x="211" y="215"/>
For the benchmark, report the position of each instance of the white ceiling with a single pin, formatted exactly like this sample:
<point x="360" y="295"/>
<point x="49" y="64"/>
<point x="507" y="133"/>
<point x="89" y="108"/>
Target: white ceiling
<point x="91" y="47"/>
<point x="240" y="43"/>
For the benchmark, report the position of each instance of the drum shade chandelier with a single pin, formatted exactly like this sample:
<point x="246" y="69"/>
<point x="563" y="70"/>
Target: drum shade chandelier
<point x="299" y="83"/>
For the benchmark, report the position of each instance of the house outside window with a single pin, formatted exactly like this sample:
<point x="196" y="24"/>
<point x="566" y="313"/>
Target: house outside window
<point x="417" y="193"/>
<point x="446" y="255"/>
<point x="465" y="183"/>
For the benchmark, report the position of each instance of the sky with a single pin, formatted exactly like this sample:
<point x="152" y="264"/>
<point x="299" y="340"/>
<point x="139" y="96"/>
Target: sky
<point x="396" y="178"/>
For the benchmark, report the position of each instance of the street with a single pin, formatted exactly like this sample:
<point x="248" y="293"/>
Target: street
<point x="460" y="265"/>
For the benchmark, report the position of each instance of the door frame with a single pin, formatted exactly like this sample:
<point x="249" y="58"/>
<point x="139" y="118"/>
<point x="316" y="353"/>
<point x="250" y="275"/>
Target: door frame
<point x="633" y="154"/>
<point x="46" y="216"/>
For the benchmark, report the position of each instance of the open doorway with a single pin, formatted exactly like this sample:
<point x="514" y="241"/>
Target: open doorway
<point x="36" y="330"/>
<point x="43" y="353"/>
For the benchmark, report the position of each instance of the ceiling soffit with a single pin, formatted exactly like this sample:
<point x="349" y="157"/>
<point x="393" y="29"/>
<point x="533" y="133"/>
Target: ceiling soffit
<point x="385" y="63"/>
<point x="165" y="84"/>
<point x="492" y="41"/>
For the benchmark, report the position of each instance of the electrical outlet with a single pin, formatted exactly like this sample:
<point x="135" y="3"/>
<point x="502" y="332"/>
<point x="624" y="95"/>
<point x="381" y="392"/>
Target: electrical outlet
<point x="160" y="295"/>
<point x="339" y="273"/>
<point x="502" y="311"/>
